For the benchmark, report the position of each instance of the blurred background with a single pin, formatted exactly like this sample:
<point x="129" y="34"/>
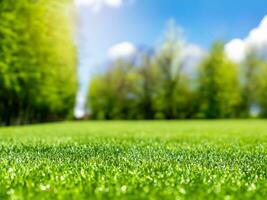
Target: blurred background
<point x="132" y="59"/>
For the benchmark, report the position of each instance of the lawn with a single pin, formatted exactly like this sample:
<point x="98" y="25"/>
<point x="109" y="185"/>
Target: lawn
<point x="135" y="160"/>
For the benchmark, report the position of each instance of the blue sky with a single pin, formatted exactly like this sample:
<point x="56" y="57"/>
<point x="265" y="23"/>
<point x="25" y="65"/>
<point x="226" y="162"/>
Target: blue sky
<point x="142" y="22"/>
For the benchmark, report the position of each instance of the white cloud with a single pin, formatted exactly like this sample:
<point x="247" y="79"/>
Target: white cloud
<point x="122" y="50"/>
<point x="96" y="5"/>
<point x="258" y="35"/>
<point x="237" y="49"/>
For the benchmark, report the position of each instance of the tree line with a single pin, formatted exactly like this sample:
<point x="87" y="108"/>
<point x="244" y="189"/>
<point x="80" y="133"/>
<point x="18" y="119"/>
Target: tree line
<point x="157" y="86"/>
<point x="37" y="61"/>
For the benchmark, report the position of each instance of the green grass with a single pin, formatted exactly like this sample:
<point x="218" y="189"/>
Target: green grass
<point x="135" y="160"/>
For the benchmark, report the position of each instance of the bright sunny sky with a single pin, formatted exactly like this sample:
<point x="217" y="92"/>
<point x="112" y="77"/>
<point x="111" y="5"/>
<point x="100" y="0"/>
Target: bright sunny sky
<point x="108" y="27"/>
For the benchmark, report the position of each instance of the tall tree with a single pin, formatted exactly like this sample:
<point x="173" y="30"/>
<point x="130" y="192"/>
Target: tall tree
<point x="37" y="61"/>
<point x="172" y="82"/>
<point x="254" y="85"/>
<point x="113" y="95"/>
<point x="219" y="89"/>
<point x="147" y="86"/>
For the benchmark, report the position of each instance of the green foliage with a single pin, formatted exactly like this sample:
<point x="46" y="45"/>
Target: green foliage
<point x="219" y="91"/>
<point x="156" y="87"/>
<point x="37" y="61"/>
<point x="129" y="160"/>
<point x="254" y="84"/>
<point x="172" y="85"/>
<point x="261" y="92"/>
<point x="118" y="91"/>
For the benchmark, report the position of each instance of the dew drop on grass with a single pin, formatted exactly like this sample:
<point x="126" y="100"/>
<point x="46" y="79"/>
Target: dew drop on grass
<point x="44" y="187"/>
<point x="252" y="187"/>
<point x="182" y="190"/>
<point x="123" y="189"/>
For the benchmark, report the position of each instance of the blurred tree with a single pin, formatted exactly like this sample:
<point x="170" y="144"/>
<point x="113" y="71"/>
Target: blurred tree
<point x="254" y="85"/>
<point x="156" y="86"/>
<point x="219" y="88"/>
<point x="261" y="94"/>
<point x="37" y="61"/>
<point x="248" y="75"/>
<point x="113" y="95"/>
<point x="147" y="84"/>
<point x="173" y="88"/>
